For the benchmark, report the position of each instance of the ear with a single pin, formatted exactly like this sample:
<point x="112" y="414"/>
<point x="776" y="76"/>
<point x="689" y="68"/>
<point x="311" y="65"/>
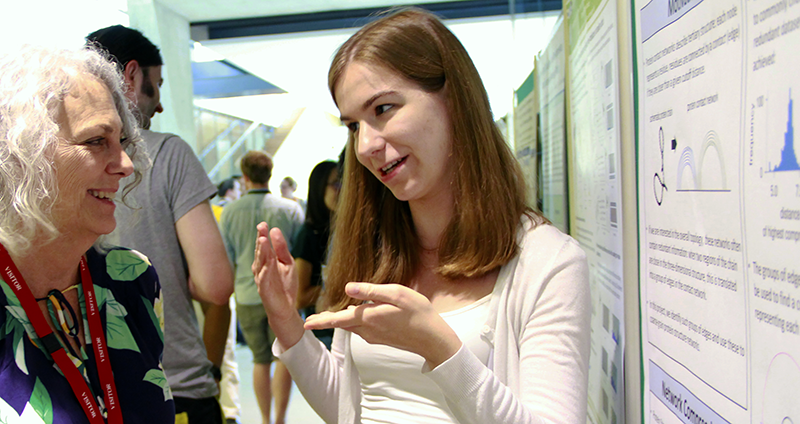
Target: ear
<point x="130" y="71"/>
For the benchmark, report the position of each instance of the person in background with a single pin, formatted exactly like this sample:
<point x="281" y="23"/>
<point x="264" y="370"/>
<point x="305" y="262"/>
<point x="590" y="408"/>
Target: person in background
<point x="288" y="187"/>
<point x="68" y="140"/>
<point x="227" y="191"/>
<point x="238" y="225"/>
<point x="229" y="381"/>
<point x="311" y="243"/>
<point x="451" y="300"/>
<point x="172" y="223"/>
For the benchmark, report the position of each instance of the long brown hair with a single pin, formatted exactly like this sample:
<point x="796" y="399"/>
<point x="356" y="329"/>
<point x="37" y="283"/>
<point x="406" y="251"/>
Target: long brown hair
<point x="374" y="238"/>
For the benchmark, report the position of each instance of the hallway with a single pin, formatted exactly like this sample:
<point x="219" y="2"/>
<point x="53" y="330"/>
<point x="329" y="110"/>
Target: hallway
<point x="299" y="411"/>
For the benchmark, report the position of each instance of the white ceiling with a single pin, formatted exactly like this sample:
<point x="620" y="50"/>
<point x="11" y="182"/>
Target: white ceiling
<point x="502" y="50"/>
<point x="216" y="10"/>
<point x="298" y="63"/>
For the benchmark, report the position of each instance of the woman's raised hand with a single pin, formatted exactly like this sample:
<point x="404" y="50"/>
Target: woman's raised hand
<point x="393" y="315"/>
<point x="273" y="269"/>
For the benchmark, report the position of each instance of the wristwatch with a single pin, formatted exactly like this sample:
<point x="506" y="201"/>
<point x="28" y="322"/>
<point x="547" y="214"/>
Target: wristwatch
<point x="216" y="372"/>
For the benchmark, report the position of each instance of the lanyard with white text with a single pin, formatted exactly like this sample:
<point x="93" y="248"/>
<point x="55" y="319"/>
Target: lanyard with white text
<point x="50" y="342"/>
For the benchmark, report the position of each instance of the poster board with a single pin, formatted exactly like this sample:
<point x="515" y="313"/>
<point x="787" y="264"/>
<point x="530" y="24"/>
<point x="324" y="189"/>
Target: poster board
<point x="719" y="210"/>
<point x="551" y="67"/>
<point x="526" y="136"/>
<point x="595" y="192"/>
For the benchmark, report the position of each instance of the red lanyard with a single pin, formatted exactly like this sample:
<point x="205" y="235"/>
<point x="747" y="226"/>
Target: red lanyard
<point x="50" y="342"/>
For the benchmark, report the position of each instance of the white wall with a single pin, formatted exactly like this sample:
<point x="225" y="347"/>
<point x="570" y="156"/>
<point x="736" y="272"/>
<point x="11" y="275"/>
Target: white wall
<point x="64" y="24"/>
<point x="315" y="138"/>
<point x="298" y="63"/>
<point x="505" y="58"/>
<point x="56" y="23"/>
<point x="170" y="32"/>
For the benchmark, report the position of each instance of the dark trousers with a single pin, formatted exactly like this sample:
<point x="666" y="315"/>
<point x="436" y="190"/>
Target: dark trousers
<point x="199" y="411"/>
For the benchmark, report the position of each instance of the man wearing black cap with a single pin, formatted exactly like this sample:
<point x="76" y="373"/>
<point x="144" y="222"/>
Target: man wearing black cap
<point x="173" y="225"/>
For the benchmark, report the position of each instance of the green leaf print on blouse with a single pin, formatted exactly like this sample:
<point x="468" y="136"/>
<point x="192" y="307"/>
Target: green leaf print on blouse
<point x="14" y="308"/>
<point x="40" y="401"/>
<point x="157" y="377"/>
<point x="118" y="334"/>
<point x="19" y="348"/>
<point x="126" y="265"/>
<point x="156" y="314"/>
<point x="16" y="326"/>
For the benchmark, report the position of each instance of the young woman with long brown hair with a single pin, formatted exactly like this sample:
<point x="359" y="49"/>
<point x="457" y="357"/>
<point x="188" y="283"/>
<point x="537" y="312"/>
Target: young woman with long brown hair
<point x="451" y="300"/>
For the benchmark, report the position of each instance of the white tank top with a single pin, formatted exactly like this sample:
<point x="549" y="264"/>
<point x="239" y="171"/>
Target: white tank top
<point x="393" y="388"/>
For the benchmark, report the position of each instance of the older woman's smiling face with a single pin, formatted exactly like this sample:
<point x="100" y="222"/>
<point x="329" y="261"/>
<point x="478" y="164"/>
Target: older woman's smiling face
<point x="89" y="160"/>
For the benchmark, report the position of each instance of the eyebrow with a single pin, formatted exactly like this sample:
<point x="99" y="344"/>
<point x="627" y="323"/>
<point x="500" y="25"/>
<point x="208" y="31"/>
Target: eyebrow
<point x="107" y="129"/>
<point x="370" y="101"/>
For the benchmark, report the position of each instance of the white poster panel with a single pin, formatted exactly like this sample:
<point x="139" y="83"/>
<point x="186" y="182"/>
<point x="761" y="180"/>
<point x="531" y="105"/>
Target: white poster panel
<point x="771" y="200"/>
<point x="596" y="204"/>
<point x="525" y="134"/>
<point x="551" y="68"/>
<point x="719" y="205"/>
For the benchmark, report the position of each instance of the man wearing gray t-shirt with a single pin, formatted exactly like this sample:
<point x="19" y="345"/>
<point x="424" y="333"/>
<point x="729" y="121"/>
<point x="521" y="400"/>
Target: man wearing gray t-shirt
<point x="173" y="225"/>
<point x="238" y="226"/>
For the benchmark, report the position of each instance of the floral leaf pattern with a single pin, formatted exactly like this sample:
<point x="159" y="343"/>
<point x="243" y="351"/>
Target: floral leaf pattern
<point x="17" y="324"/>
<point x="156" y="315"/>
<point x="134" y="332"/>
<point x="19" y="314"/>
<point x="118" y="334"/>
<point x="157" y="377"/>
<point x="19" y="351"/>
<point x="40" y="401"/>
<point x="11" y="298"/>
<point x="9" y="325"/>
<point x="112" y="306"/>
<point x="126" y="265"/>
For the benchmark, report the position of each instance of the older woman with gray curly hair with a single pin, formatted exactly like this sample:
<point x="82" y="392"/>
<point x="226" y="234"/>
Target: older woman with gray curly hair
<point x="81" y="328"/>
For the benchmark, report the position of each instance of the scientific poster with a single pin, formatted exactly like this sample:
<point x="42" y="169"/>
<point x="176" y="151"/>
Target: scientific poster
<point x="596" y="221"/>
<point x="551" y="68"/>
<point x="719" y="207"/>
<point x="525" y="134"/>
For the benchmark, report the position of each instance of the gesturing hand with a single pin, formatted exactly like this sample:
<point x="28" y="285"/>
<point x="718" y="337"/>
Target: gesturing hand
<point x="396" y="316"/>
<point x="273" y="269"/>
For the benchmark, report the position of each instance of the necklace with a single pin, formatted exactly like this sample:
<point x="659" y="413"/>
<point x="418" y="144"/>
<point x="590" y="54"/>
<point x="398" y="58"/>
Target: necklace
<point x="13" y="278"/>
<point x="63" y="317"/>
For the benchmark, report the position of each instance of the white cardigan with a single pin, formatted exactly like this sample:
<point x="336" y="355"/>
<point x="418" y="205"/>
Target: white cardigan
<point x="538" y="325"/>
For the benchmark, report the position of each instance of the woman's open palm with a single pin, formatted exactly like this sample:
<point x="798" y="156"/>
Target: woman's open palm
<point x="273" y="269"/>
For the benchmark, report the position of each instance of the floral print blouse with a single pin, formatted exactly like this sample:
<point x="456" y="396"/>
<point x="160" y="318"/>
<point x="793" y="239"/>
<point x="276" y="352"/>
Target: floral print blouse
<point x="33" y="389"/>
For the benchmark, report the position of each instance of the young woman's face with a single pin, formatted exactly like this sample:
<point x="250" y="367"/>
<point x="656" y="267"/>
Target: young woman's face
<point x="332" y="190"/>
<point x="402" y="133"/>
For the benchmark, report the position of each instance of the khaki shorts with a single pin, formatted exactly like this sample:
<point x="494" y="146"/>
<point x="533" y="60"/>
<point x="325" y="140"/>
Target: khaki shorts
<point x="257" y="334"/>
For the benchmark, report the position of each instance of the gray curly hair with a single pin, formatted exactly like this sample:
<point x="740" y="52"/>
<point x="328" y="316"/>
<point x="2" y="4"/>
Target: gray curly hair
<point x="33" y="83"/>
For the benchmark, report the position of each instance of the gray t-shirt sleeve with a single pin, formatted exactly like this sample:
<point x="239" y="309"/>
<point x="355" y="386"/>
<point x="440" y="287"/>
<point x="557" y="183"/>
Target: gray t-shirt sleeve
<point x="187" y="184"/>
